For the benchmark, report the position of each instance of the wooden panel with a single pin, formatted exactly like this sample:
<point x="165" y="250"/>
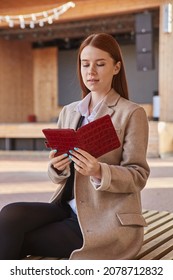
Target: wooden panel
<point x="165" y="73"/>
<point x="45" y="83"/>
<point x="166" y="133"/>
<point x="16" y="90"/>
<point x="153" y="144"/>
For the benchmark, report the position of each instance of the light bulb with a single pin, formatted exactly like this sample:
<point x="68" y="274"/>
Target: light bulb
<point x="32" y="25"/>
<point x="11" y="23"/>
<point x="33" y="17"/>
<point x="41" y="23"/>
<point x="50" y="20"/>
<point x="7" y="18"/>
<point x="22" y="24"/>
<point x="45" y="14"/>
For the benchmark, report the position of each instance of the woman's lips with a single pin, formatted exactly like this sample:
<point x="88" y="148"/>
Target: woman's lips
<point x="92" y="81"/>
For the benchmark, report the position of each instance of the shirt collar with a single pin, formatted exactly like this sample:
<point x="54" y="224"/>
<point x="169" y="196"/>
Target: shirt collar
<point x="84" y="104"/>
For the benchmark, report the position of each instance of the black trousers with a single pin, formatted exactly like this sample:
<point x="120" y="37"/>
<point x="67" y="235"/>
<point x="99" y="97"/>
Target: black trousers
<point x="36" y="228"/>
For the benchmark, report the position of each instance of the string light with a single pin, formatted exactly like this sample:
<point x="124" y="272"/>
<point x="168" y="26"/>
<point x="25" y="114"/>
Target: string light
<point x="40" y="18"/>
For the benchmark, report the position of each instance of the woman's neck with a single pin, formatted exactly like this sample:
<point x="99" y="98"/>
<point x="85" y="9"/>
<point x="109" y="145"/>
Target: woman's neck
<point x="95" y="99"/>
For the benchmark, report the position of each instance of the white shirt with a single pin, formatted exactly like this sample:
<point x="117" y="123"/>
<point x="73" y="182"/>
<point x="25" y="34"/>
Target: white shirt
<point x="83" y="108"/>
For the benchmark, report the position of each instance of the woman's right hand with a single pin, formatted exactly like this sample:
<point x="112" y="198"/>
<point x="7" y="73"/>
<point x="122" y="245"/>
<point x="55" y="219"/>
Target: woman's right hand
<point x="59" y="162"/>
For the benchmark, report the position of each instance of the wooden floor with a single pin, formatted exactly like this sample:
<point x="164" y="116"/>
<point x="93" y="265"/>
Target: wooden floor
<point x="158" y="237"/>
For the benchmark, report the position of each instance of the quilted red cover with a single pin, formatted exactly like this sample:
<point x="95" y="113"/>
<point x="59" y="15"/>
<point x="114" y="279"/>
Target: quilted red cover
<point x="97" y="138"/>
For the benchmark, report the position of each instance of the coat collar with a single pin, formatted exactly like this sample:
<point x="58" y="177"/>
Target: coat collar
<point x="109" y="104"/>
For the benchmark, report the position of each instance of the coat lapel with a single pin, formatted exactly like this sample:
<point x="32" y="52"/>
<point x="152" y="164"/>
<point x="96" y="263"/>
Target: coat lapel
<point x="75" y="116"/>
<point x="108" y="106"/>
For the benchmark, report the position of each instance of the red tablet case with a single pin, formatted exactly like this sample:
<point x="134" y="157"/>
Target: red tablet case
<point x="97" y="138"/>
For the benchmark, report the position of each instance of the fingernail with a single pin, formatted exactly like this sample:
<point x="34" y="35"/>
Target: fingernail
<point x="65" y="155"/>
<point x="54" y="151"/>
<point x="76" y="149"/>
<point x="70" y="151"/>
<point x="70" y="157"/>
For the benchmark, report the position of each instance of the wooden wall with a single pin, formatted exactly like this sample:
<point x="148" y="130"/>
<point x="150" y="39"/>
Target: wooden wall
<point x="16" y="81"/>
<point x="28" y="82"/>
<point x="45" y="83"/>
<point x="165" y="72"/>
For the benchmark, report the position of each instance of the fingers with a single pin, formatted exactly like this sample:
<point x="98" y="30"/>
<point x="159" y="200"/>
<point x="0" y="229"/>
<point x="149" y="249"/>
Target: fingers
<point x="81" y="154"/>
<point x="85" y="163"/>
<point x="62" y="164"/>
<point x="52" y="153"/>
<point x="59" y="162"/>
<point x="80" y="158"/>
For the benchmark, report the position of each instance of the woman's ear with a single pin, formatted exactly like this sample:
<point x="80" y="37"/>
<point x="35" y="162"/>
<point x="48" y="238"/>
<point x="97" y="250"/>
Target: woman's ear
<point x="117" y="67"/>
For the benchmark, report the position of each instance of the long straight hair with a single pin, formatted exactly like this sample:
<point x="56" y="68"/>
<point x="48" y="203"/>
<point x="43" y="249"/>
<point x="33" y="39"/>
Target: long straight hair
<point x="107" y="43"/>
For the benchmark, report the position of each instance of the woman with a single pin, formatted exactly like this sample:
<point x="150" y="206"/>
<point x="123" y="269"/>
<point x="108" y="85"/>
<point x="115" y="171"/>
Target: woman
<point x="101" y="217"/>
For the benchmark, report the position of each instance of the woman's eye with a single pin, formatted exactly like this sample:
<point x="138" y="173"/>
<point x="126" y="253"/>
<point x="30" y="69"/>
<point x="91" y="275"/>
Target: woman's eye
<point x="100" y="65"/>
<point x="97" y="65"/>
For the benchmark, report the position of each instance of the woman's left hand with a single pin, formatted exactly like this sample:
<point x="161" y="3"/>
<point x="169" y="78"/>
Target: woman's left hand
<point x="85" y="163"/>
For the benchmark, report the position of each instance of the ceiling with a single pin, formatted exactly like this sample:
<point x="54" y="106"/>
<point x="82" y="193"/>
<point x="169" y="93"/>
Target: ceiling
<point x="69" y="34"/>
<point x="15" y="6"/>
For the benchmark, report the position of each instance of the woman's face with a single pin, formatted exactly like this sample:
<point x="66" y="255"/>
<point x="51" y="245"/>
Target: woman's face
<point x="97" y="69"/>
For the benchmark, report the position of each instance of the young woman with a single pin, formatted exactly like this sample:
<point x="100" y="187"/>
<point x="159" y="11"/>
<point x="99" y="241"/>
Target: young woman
<point x="95" y="212"/>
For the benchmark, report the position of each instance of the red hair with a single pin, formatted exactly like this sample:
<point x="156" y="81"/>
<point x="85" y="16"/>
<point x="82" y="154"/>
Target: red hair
<point x="107" y="43"/>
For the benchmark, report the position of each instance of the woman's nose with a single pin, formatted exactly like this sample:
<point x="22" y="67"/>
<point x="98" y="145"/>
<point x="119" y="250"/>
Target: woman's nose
<point x="92" y="69"/>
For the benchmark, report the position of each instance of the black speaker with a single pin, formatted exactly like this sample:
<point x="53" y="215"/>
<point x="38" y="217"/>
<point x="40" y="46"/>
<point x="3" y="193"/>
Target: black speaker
<point x="145" y="61"/>
<point x="144" y="23"/>
<point x="144" y="41"/>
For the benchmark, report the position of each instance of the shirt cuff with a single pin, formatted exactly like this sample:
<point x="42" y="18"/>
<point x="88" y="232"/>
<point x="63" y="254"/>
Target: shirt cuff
<point x="96" y="181"/>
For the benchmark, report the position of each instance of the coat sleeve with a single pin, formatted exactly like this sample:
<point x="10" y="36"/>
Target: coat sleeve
<point x="58" y="178"/>
<point x="132" y="172"/>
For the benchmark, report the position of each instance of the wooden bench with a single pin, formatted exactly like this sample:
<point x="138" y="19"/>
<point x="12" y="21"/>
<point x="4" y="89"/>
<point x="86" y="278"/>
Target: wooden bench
<point x="22" y="135"/>
<point x="158" y="237"/>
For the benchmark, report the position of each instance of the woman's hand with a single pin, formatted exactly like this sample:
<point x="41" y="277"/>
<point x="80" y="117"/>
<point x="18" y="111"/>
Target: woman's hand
<point x="60" y="162"/>
<point x="85" y="163"/>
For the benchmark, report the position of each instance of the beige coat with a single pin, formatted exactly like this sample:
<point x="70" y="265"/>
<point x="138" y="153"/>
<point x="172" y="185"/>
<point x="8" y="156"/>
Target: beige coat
<point x="110" y="214"/>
